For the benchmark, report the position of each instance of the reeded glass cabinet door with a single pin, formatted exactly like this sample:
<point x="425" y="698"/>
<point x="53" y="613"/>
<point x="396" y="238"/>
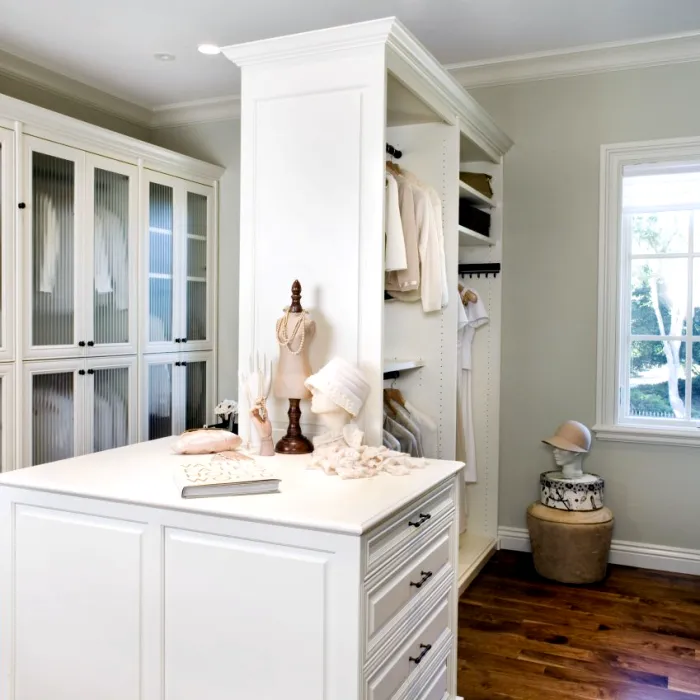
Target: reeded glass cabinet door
<point x="158" y="396"/>
<point x="199" y="250"/>
<point x="197" y="392"/>
<point x="54" y="175"/>
<point x="8" y="290"/>
<point x="162" y="261"/>
<point x="8" y="458"/>
<point x="53" y="399"/>
<point x="111" y="247"/>
<point x="111" y="403"/>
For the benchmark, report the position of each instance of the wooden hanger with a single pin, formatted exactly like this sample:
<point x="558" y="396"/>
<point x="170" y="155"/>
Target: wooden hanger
<point x="467" y="295"/>
<point x="390" y="165"/>
<point x="393" y="395"/>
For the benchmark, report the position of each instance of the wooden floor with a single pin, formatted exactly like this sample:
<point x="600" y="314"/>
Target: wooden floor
<point x="635" y="636"/>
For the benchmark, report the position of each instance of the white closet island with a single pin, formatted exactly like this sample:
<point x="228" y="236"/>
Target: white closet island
<point x="114" y="587"/>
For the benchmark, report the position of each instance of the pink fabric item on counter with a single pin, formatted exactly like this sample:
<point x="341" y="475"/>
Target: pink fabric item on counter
<point x="202" y="442"/>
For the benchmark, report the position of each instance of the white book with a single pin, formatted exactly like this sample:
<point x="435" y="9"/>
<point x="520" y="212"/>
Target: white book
<point x="217" y="475"/>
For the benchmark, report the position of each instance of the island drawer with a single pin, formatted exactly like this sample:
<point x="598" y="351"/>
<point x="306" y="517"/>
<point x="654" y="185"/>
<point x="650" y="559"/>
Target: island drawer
<point x="419" y="650"/>
<point x="395" y="592"/>
<point x="410" y="527"/>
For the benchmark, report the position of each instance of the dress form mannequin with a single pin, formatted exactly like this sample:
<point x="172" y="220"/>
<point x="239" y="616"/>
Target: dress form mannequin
<point x="294" y="332"/>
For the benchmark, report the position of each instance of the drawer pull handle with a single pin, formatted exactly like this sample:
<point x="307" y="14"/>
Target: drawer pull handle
<point x="422" y="518"/>
<point x="426" y="575"/>
<point x="417" y="659"/>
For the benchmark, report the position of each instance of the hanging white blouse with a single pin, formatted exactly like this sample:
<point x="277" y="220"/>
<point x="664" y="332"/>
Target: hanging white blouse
<point x="395" y="258"/>
<point x="431" y="249"/>
<point x="47" y="220"/>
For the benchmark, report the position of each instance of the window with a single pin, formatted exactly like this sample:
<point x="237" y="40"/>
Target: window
<point x="649" y="299"/>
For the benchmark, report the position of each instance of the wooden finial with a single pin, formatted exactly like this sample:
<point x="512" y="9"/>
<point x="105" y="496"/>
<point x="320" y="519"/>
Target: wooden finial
<point x="295" y="308"/>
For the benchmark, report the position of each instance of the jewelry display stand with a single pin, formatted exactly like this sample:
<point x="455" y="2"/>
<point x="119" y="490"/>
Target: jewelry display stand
<point x="294" y="442"/>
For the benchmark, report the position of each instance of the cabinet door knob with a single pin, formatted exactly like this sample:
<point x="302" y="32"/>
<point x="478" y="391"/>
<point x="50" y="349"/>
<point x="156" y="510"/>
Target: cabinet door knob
<point x="21" y="205"/>
<point x="177" y="340"/>
<point x="425" y="575"/>
<point x="81" y="371"/>
<point x="91" y="371"/>
<point x="177" y="364"/>
<point x="184" y="340"/>
<point x="81" y="343"/>
<point x="91" y="343"/>
<point x="184" y="364"/>
<point x="417" y="659"/>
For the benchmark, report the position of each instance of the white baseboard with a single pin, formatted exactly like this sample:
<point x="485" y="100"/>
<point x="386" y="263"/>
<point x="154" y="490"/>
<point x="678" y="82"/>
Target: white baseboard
<point x="644" y="556"/>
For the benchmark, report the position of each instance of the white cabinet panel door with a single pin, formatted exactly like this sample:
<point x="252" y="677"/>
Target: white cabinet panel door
<point x="53" y="410"/>
<point x="52" y="217"/>
<point x="8" y="290"/>
<point x="111" y="403"/>
<point x="220" y="593"/>
<point x="8" y="458"/>
<point x="90" y="584"/>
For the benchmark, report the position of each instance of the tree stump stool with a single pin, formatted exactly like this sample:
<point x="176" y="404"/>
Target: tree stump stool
<point x="570" y="546"/>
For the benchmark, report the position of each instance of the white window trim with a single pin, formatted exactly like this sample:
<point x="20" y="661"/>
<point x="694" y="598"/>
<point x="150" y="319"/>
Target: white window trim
<point x="614" y="157"/>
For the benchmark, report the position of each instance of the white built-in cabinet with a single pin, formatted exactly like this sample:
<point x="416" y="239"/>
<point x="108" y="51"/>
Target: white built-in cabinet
<point x="107" y="269"/>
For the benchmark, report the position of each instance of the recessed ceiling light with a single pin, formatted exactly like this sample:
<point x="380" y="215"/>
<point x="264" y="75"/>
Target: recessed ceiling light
<point x="164" y="56"/>
<point x="209" y="49"/>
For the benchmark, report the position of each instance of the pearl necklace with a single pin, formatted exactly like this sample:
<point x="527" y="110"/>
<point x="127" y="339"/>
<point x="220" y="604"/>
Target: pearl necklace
<point x="286" y="340"/>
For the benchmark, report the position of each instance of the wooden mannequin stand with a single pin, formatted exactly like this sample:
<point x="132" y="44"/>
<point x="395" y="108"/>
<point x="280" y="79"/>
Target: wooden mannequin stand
<point x="296" y="363"/>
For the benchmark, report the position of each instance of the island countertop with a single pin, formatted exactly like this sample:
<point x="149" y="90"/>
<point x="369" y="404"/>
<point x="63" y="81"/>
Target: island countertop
<point x="144" y="474"/>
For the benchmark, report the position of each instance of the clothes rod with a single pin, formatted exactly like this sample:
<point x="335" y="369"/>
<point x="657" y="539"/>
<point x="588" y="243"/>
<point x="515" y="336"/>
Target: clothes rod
<point x="393" y="152"/>
<point x="395" y="374"/>
<point x="479" y="269"/>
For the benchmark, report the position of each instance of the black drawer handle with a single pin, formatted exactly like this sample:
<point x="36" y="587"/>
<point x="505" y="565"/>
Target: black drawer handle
<point x="426" y="575"/>
<point x="417" y="659"/>
<point x="422" y="518"/>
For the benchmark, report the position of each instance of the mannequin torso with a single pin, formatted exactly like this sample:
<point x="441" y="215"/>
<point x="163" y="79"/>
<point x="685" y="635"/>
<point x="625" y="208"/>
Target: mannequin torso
<point x="294" y="332"/>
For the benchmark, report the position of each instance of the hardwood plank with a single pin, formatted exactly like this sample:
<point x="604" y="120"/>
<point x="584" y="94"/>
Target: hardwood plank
<point x="635" y="636"/>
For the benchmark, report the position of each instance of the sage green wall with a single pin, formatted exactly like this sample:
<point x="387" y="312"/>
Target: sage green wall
<point x="550" y="271"/>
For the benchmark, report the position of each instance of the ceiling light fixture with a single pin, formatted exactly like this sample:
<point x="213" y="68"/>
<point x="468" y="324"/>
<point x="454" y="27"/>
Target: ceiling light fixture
<point x="164" y="56"/>
<point x="209" y="49"/>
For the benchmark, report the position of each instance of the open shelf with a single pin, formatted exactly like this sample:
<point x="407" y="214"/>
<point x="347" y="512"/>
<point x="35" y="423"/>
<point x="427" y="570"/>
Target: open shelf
<point x="474" y="196"/>
<point x="468" y="237"/>
<point x="474" y="551"/>
<point x="402" y="365"/>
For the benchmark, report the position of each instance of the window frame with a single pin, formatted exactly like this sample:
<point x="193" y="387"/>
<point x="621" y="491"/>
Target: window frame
<point x="612" y="278"/>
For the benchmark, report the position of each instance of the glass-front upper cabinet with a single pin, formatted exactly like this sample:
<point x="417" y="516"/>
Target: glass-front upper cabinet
<point x="111" y="251"/>
<point x="80" y="249"/>
<point x="8" y="290"/>
<point x="179" y="250"/>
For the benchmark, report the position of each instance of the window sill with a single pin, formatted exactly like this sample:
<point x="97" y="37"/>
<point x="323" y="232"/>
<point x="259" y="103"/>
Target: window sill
<point x="655" y="436"/>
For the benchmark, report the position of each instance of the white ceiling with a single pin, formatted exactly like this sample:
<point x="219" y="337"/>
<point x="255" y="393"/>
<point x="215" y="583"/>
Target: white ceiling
<point x="110" y="45"/>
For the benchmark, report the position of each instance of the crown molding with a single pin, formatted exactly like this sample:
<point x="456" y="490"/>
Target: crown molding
<point x="294" y="46"/>
<point x="67" y="88"/>
<point x="185" y="113"/>
<point x="413" y="64"/>
<point x="581" y="60"/>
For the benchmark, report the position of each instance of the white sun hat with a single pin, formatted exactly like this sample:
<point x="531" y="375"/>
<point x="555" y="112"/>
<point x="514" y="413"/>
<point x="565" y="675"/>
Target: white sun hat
<point x="343" y="383"/>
